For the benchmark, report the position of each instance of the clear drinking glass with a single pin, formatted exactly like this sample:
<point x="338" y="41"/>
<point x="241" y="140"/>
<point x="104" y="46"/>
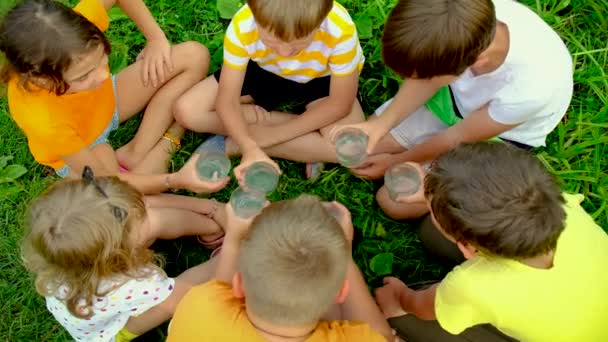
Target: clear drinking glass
<point x="351" y="147"/>
<point x="247" y="203"/>
<point x="212" y="165"/>
<point x="402" y="180"/>
<point x="261" y="176"/>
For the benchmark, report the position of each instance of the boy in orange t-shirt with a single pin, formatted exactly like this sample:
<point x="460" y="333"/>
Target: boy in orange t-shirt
<point x="277" y="278"/>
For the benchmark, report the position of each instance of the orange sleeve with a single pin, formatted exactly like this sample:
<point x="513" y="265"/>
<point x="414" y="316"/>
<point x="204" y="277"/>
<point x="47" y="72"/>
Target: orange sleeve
<point x="94" y="11"/>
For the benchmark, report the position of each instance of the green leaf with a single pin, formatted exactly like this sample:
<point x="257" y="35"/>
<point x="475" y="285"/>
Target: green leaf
<point x="380" y="231"/>
<point x="382" y="264"/>
<point x="4" y="161"/>
<point x="12" y="172"/>
<point x="364" y="25"/>
<point x="227" y="8"/>
<point x="116" y="14"/>
<point x="10" y="190"/>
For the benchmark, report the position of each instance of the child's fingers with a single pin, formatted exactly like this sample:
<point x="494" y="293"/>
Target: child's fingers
<point x="144" y="71"/>
<point x="168" y="61"/>
<point x="160" y="70"/>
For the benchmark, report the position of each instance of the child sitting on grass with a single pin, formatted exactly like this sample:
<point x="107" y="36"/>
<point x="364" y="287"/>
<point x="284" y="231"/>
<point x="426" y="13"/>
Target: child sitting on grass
<point x="281" y="52"/>
<point x="509" y="76"/>
<point x="87" y="243"/>
<point x="61" y="94"/>
<point x="286" y="276"/>
<point x="536" y="261"/>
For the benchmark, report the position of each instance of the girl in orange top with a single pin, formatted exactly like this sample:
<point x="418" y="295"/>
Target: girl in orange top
<point x="62" y="96"/>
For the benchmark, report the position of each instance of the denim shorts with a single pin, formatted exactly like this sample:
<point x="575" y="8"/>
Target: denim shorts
<point x="64" y="171"/>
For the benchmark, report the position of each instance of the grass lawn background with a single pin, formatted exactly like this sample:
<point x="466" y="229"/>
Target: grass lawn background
<point x="576" y="151"/>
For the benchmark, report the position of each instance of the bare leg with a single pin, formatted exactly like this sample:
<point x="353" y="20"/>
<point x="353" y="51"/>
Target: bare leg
<point x="158" y="159"/>
<point x="311" y="147"/>
<point x="399" y="211"/>
<point x="171" y="223"/>
<point x="191" y="61"/>
<point x="195" y="109"/>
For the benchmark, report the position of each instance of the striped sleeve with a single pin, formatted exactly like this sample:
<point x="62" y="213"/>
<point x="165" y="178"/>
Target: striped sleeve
<point x="236" y="54"/>
<point x="347" y="55"/>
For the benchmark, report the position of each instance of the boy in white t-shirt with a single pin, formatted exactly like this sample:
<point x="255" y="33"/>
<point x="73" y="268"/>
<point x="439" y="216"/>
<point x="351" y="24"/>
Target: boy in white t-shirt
<point x="509" y="76"/>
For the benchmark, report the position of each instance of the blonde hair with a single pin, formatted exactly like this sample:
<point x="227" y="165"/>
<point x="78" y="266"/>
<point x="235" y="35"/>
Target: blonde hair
<point x="290" y="19"/>
<point x="293" y="262"/>
<point x="80" y="234"/>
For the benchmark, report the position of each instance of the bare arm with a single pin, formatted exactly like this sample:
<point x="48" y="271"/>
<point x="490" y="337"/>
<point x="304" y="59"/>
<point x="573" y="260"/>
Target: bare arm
<point x="342" y="95"/>
<point x="141" y="16"/>
<point x="163" y="311"/>
<point x="197" y="205"/>
<point x="479" y="126"/>
<point x="412" y="94"/>
<point x="360" y="305"/>
<point x="420" y="303"/>
<point x="229" y="107"/>
<point x="103" y="158"/>
<point x="235" y="228"/>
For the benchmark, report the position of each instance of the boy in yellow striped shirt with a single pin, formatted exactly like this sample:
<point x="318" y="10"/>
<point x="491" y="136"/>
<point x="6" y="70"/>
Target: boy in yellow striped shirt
<point x="278" y="52"/>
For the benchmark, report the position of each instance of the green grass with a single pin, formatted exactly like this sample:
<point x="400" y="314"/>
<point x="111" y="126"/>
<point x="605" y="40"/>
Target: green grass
<point x="576" y="151"/>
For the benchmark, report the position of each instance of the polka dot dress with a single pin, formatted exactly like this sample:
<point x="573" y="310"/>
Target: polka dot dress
<point x="111" y="312"/>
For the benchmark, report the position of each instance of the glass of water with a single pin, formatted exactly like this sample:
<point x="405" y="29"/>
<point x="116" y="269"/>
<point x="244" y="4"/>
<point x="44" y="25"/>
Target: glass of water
<point x="351" y="147"/>
<point x="261" y="176"/>
<point x="212" y="165"/>
<point x="402" y="180"/>
<point x="247" y="203"/>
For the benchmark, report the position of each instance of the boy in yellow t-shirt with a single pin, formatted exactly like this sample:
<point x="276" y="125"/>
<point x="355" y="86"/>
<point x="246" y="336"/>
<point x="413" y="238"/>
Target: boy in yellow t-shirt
<point x="536" y="262"/>
<point x="281" y="52"/>
<point x="287" y="276"/>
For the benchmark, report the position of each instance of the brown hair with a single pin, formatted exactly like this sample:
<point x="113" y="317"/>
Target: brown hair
<point x="428" y="38"/>
<point x="75" y="240"/>
<point x="41" y="38"/>
<point x="290" y="19"/>
<point x="293" y="262"/>
<point x="497" y="198"/>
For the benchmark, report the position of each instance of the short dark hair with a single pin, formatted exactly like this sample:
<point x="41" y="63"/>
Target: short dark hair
<point x="40" y="39"/>
<point x="428" y="38"/>
<point x="498" y="198"/>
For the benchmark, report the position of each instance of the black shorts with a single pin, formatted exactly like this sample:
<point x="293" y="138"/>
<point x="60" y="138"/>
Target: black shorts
<point x="270" y="91"/>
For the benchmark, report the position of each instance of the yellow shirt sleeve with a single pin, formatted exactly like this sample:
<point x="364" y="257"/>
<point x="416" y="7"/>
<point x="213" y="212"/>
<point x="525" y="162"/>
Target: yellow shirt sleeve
<point x="94" y="11"/>
<point x="458" y="305"/>
<point x="236" y="54"/>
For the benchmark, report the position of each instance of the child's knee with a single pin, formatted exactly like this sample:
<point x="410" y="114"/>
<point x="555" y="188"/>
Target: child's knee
<point x="192" y="55"/>
<point x="192" y="107"/>
<point x="386" y="204"/>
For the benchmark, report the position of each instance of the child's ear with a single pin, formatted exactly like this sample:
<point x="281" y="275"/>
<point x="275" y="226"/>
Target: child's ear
<point x="237" y="286"/>
<point x="469" y="251"/>
<point x="343" y="293"/>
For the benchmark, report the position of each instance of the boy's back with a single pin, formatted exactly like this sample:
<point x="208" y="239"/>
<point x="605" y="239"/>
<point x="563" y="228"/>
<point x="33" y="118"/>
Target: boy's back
<point x="296" y="281"/>
<point x="210" y="312"/>
<point x="534" y="84"/>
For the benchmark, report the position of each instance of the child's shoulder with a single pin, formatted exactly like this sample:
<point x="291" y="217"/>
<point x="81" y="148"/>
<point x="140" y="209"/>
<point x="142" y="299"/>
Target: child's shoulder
<point x="338" y="22"/>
